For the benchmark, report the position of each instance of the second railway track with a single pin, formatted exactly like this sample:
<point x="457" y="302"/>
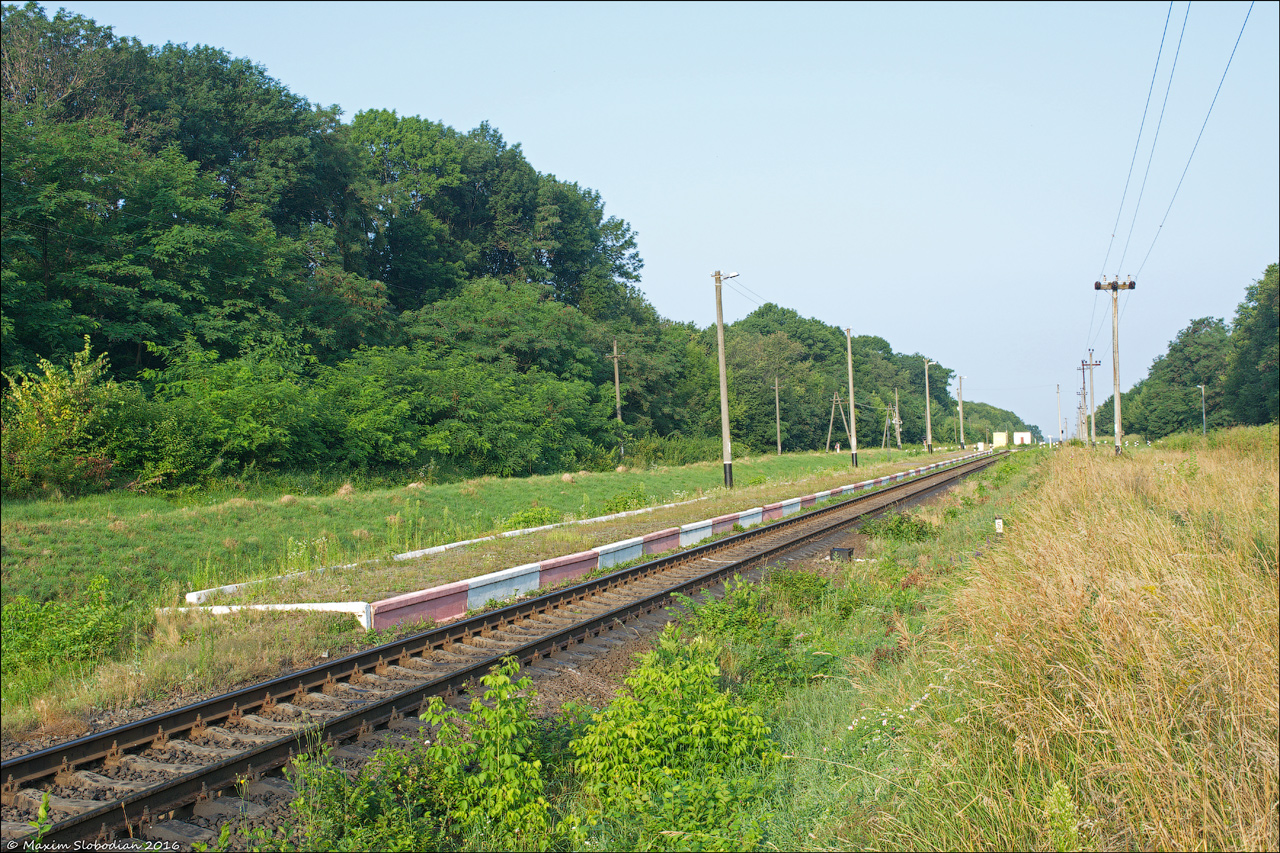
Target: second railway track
<point x="128" y="777"/>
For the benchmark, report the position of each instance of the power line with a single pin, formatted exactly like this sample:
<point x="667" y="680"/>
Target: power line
<point x="1156" y="137"/>
<point x="743" y="295"/>
<point x="752" y="292"/>
<point x="1133" y="159"/>
<point x="1137" y="141"/>
<point x="1197" y="144"/>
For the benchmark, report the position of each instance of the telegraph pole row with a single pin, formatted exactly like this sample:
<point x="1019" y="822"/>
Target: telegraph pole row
<point x="1093" y="426"/>
<point x="1084" y="365"/>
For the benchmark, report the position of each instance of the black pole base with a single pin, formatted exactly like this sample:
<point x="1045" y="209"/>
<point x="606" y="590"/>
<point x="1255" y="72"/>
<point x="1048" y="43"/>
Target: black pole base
<point x="855" y="459"/>
<point x="728" y="475"/>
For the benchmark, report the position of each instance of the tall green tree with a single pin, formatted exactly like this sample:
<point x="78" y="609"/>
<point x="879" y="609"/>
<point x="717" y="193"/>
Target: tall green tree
<point x="1252" y="383"/>
<point x="66" y="66"/>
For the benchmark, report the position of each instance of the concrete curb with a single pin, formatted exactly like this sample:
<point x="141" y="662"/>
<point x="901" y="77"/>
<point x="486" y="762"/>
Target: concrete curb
<point x="450" y="601"/>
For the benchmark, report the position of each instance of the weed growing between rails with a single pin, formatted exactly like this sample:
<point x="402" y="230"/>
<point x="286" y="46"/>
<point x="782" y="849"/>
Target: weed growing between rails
<point x="675" y="763"/>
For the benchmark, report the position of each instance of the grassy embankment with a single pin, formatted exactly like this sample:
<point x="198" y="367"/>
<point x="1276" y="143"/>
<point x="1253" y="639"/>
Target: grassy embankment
<point x="104" y="563"/>
<point x="1120" y="644"/>
<point x="1104" y="676"/>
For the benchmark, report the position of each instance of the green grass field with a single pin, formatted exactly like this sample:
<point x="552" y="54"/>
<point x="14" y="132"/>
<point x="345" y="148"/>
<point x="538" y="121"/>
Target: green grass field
<point x="99" y="567"/>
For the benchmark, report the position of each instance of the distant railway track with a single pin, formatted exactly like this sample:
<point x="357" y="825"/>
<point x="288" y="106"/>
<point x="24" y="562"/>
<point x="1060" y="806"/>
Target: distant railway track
<point x="137" y="775"/>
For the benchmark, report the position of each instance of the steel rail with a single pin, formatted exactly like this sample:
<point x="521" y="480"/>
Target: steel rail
<point x="129" y="810"/>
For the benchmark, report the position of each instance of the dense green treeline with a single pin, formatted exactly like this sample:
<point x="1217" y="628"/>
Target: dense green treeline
<point x="1237" y="365"/>
<point x="204" y="273"/>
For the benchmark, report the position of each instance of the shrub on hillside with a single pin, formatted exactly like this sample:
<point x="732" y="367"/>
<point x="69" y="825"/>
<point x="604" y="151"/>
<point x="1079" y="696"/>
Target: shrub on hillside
<point x="64" y="429"/>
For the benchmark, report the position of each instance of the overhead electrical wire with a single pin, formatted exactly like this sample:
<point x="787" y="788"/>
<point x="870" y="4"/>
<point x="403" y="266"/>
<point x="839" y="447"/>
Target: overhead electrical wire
<point x="1156" y="137"/>
<point x="1197" y="143"/>
<point x="1142" y="124"/>
<point x="1132" y="160"/>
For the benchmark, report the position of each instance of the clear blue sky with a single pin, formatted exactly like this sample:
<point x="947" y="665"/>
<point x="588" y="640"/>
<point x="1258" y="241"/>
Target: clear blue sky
<point x="944" y="176"/>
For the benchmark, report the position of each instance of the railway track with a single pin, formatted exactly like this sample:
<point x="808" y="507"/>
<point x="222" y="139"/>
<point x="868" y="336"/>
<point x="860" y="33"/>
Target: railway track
<point x="133" y="778"/>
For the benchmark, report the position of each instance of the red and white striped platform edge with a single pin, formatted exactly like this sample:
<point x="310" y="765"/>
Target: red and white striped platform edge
<point x="443" y="603"/>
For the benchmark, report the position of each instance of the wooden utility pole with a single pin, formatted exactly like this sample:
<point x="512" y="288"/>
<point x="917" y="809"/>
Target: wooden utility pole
<point x="853" y="416"/>
<point x="724" y="385"/>
<point x="1084" y="400"/>
<point x="777" y="414"/>
<point x="1081" y="419"/>
<point x="1115" y="286"/>
<point x="1093" y="426"/>
<point x="884" y="441"/>
<point x="617" y="390"/>
<point x="897" y="419"/>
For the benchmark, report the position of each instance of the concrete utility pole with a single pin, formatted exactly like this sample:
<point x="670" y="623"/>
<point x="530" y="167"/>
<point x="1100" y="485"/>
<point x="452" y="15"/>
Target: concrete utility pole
<point x="1115" y="286"/>
<point x="928" y="422"/>
<point x="777" y="414"/>
<point x="1093" y="426"/>
<point x="960" y="397"/>
<point x="1062" y="430"/>
<point x="897" y="419"/>
<point x="617" y="391"/>
<point x="1204" y="420"/>
<point x="1084" y="399"/>
<point x="853" y="415"/>
<point x="724" y="384"/>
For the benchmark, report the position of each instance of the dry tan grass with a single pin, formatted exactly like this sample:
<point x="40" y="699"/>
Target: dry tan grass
<point x="1126" y="638"/>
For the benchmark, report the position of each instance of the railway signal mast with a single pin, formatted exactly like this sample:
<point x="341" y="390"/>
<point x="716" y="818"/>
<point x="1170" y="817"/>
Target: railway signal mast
<point x="1115" y="286"/>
